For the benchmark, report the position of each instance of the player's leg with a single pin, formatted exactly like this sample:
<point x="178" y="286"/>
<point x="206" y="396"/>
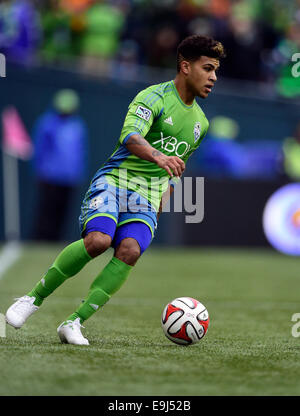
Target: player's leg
<point x="75" y="256"/>
<point x="130" y="241"/>
<point x="68" y="263"/>
<point x="134" y="234"/>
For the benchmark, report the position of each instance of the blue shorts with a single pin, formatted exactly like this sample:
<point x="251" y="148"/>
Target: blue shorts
<point x="136" y="229"/>
<point x="121" y="205"/>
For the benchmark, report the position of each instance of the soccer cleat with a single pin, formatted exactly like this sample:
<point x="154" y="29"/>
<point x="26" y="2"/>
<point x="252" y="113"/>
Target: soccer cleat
<point x="18" y="313"/>
<point x="69" y="333"/>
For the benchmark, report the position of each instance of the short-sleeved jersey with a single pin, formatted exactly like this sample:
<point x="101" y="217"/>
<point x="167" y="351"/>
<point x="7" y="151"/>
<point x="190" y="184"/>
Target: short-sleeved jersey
<point x="169" y="125"/>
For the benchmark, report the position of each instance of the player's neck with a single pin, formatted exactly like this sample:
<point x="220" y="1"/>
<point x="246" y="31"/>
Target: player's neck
<point x="184" y="92"/>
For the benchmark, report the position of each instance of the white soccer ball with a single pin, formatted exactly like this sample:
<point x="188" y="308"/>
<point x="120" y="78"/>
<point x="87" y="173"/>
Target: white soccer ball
<point x="185" y="321"/>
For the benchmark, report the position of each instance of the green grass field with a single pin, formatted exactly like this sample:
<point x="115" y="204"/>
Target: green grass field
<point x="248" y="350"/>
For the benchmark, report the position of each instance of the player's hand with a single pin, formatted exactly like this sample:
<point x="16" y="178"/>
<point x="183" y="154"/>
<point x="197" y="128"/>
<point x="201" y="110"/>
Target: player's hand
<point x="173" y="165"/>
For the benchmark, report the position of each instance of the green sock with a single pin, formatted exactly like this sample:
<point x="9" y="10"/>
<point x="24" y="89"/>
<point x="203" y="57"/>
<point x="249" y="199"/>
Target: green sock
<point x="104" y="286"/>
<point x="68" y="263"/>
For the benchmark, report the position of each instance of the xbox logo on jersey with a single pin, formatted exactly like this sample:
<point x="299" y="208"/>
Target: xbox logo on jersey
<point x="171" y="144"/>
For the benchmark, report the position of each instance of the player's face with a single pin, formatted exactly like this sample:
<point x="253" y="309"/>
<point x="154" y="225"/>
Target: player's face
<point x="202" y="76"/>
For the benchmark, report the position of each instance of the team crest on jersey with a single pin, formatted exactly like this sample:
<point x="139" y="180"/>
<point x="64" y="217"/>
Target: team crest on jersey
<point x="143" y="113"/>
<point x="96" y="202"/>
<point x="197" y="131"/>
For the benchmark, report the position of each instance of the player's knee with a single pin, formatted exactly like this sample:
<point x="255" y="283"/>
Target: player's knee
<point x="96" y="243"/>
<point x="128" y="251"/>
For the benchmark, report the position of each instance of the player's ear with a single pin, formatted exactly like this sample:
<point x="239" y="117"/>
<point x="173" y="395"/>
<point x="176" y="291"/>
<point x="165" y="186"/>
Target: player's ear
<point x="185" y="67"/>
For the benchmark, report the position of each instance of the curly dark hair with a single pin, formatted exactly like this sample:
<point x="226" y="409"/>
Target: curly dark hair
<point x="195" y="46"/>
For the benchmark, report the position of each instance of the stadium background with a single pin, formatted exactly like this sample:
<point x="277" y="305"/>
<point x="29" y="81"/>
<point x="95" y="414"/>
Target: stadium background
<point x="107" y="51"/>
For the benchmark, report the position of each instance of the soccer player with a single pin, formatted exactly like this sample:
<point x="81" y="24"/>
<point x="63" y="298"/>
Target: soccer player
<point x="163" y="127"/>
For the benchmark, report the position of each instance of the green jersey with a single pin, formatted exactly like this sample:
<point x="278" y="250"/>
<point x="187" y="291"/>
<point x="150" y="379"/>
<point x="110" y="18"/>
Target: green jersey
<point x="169" y="125"/>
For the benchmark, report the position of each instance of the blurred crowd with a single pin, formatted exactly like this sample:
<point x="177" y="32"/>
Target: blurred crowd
<point x="120" y="35"/>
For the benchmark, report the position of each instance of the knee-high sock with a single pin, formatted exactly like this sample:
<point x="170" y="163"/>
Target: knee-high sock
<point x="104" y="286"/>
<point x="68" y="263"/>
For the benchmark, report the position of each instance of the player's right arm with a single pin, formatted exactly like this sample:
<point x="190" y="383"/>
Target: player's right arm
<point x="140" y="147"/>
<point x="143" y="111"/>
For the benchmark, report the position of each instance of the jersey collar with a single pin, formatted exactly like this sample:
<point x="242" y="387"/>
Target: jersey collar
<point x="179" y="98"/>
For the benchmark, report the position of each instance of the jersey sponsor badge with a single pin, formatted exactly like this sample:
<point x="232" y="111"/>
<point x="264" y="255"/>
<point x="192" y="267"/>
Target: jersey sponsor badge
<point x="197" y="131"/>
<point x="143" y="113"/>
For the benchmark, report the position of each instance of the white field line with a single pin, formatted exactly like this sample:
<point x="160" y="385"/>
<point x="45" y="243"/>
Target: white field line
<point x="10" y="253"/>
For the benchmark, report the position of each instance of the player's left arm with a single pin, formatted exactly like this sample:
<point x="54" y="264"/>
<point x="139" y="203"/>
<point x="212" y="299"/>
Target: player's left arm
<point x="141" y="115"/>
<point x="140" y="147"/>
